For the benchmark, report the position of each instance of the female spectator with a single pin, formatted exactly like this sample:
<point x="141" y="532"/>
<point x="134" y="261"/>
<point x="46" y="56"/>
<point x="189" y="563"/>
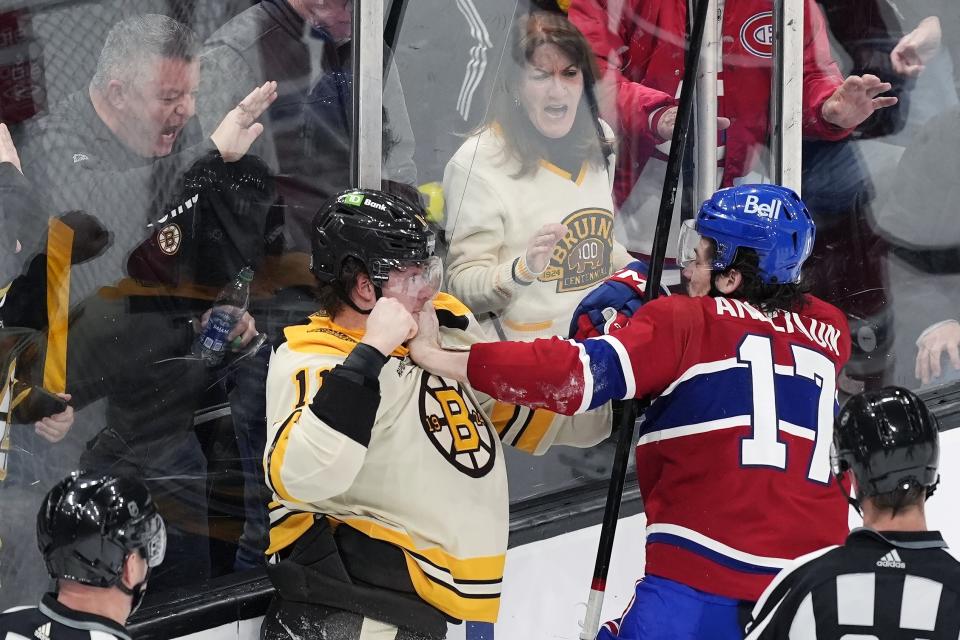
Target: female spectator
<point x="529" y="205"/>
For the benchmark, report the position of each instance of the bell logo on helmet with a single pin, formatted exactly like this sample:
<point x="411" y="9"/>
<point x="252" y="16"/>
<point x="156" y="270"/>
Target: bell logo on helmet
<point x="770" y="210"/>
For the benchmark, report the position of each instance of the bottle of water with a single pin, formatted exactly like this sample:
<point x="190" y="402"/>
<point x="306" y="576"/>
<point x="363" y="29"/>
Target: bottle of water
<point x="229" y="307"/>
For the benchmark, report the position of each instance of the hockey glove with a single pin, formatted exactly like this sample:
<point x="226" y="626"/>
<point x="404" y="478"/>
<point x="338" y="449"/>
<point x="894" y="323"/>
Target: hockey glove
<point x="611" y="304"/>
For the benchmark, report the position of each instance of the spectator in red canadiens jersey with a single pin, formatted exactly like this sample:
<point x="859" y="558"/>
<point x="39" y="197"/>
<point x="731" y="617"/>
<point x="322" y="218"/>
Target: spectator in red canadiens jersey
<point x="743" y="375"/>
<point x="640" y="49"/>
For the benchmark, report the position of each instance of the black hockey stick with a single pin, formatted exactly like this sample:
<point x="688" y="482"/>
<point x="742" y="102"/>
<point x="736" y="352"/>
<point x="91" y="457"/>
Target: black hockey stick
<point x="668" y="199"/>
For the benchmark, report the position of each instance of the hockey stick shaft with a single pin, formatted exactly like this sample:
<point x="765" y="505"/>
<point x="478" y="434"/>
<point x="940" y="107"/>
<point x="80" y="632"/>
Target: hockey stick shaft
<point x="625" y="436"/>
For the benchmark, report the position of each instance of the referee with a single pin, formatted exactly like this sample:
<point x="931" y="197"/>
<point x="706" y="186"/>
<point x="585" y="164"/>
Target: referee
<point x="100" y="536"/>
<point x="892" y="578"/>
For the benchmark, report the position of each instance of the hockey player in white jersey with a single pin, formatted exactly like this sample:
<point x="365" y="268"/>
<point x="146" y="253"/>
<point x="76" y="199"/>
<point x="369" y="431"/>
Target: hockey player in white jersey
<point x="390" y="511"/>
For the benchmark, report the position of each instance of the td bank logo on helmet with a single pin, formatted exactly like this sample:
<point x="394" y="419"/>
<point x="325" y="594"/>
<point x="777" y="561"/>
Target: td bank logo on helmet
<point x="356" y="199"/>
<point x="768" y="210"/>
<point x="756" y="34"/>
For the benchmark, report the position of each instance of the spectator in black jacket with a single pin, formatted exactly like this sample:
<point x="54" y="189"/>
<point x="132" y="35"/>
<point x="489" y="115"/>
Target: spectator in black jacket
<point x="184" y="213"/>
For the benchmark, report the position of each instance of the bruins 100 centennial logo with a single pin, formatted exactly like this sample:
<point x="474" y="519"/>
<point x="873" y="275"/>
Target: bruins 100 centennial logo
<point x="456" y="428"/>
<point x="582" y="257"/>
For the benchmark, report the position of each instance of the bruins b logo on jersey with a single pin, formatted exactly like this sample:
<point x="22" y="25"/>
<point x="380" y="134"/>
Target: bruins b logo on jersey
<point x="455" y="427"/>
<point x="582" y="257"/>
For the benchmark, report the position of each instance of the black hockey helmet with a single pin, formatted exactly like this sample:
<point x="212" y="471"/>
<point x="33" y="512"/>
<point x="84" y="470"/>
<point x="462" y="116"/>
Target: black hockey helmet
<point x="90" y="522"/>
<point x="889" y="440"/>
<point x="381" y="231"/>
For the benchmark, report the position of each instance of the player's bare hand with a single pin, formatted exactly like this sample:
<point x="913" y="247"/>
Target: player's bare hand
<point x="855" y="100"/>
<point x="389" y="325"/>
<point x="240" y="128"/>
<point x="669" y="120"/>
<point x="8" y="152"/>
<point x="54" y="428"/>
<point x="541" y="244"/>
<point x="932" y="346"/>
<point x="917" y="48"/>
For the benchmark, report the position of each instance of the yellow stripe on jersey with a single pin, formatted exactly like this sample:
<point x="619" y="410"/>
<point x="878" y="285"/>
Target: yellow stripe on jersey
<point x="537" y="427"/>
<point x="288" y="530"/>
<point x="273" y="464"/>
<point x="59" y="249"/>
<point x="465" y="588"/>
<point x="502" y="416"/>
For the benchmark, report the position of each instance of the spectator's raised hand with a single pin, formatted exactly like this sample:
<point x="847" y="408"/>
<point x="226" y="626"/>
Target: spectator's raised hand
<point x="54" y="428"/>
<point x="240" y="128"/>
<point x="389" y="325"/>
<point x="541" y="245"/>
<point x="855" y="100"/>
<point x="945" y="338"/>
<point x="917" y="48"/>
<point x="669" y="119"/>
<point x="8" y="152"/>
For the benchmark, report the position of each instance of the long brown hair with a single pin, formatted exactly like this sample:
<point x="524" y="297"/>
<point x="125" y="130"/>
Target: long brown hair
<point x="520" y="137"/>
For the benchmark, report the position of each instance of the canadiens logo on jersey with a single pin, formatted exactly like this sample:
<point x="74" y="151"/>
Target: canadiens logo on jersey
<point x="582" y="257"/>
<point x="756" y="34"/>
<point x="455" y="427"/>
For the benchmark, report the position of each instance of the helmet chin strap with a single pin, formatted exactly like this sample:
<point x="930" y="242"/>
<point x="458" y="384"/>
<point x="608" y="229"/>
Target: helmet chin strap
<point x="345" y="297"/>
<point x="853" y="502"/>
<point x="137" y="592"/>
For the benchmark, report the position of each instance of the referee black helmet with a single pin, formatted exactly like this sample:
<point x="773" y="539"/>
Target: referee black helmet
<point x="90" y="522"/>
<point x="889" y="440"/>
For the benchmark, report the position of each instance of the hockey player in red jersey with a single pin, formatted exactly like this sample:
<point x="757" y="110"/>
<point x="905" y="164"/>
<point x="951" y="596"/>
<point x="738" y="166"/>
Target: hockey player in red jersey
<point x="732" y="459"/>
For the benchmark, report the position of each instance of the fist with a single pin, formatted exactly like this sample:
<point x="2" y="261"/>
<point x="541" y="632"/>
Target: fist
<point x="389" y="325"/>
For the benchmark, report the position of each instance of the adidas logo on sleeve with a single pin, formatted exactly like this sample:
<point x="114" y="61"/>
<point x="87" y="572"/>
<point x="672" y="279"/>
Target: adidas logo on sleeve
<point x="42" y="632"/>
<point x="892" y="560"/>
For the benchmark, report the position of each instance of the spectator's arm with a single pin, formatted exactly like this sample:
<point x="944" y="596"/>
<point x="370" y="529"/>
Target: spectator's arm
<point x="821" y="76"/>
<point x="627" y="103"/>
<point x="475" y="225"/>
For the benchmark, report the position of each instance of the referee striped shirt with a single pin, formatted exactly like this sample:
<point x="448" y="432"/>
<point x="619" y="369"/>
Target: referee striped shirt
<point x="53" y="621"/>
<point x="877" y="586"/>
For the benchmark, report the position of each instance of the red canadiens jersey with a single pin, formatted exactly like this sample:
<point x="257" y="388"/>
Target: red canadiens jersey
<point x="639" y="46"/>
<point x="733" y="457"/>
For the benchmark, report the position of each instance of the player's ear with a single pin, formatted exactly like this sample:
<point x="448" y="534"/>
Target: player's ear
<point x="728" y="281"/>
<point x="364" y="293"/>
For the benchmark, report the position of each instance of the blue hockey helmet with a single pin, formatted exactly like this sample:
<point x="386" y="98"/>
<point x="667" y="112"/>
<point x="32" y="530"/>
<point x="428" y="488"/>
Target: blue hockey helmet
<point x="770" y="219"/>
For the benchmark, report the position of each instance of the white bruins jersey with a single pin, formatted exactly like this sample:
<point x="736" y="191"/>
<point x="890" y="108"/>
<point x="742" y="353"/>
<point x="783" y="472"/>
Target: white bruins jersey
<point x="432" y="480"/>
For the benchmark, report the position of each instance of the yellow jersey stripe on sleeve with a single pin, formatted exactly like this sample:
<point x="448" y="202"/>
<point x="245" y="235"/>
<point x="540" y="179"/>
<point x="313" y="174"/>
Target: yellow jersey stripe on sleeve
<point x="274" y="462"/>
<point x="536" y="428"/>
<point x="503" y="416"/>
